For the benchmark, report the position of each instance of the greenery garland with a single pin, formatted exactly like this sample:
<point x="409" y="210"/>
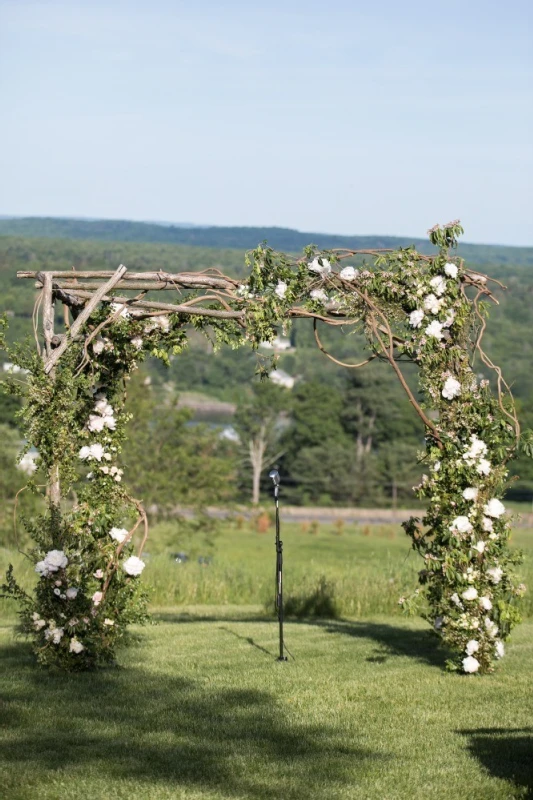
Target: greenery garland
<point x="411" y="307"/>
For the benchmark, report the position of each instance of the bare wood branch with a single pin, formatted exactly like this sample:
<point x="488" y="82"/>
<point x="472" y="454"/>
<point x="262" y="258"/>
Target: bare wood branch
<point x="48" y="314"/>
<point x="160" y="278"/>
<point x="152" y="305"/>
<point x="83" y="317"/>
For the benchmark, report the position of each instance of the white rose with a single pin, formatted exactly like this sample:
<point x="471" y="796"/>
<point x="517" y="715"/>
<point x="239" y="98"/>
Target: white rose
<point x="470" y="493"/>
<point x="281" y="289"/>
<point x="450" y="319"/>
<point x="108" y="622"/>
<point x="485" y="603"/>
<point x="349" y="273"/>
<point x="495" y="574"/>
<point x="470" y="593"/>
<point x="470" y="664"/>
<point x="472" y="647"/>
<point x="137" y="342"/>
<point x="72" y="593"/>
<point x="85" y="453"/>
<point x="438" y="284"/>
<point x="476" y="450"/>
<point x="487" y="524"/>
<point x="480" y="546"/>
<point x="455" y="599"/>
<point x="95" y="423"/>
<point x="450" y="270"/>
<point x="319" y="295"/>
<point x="75" y="646"/>
<point x="119" y="534"/>
<point x="434" y="329"/>
<point x="133" y="566"/>
<point x="55" y="559"/>
<point x="103" y="407"/>
<point x="41" y="569"/>
<point x="98" y="346"/>
<point x="124" y="310"/>
<point x="452" y="387"/>
<point x="97" y="598"/>
<point x="432" y="304"/>
<point x="416" y="317"/>
<point x="462" y="525"/>
<point x="322" y="269"/>
<point x="499" y="649"/>
<point x="483" y="467"/>
<point x="109" y="422"/>
<point x="494" y="508"/>
<point x="491" y="627"/>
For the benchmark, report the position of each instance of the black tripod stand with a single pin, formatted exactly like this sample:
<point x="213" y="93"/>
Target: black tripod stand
<point x="274" y="474"/>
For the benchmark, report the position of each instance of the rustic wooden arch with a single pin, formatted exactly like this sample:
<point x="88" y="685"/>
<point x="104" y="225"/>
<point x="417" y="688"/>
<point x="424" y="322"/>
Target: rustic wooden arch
<point x="382" y="300"/>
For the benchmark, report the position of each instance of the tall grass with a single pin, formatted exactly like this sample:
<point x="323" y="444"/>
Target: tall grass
<point x="360" y="573"/>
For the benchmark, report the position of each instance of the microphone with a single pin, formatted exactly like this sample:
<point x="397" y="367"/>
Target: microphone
<point x="274" y="474"/>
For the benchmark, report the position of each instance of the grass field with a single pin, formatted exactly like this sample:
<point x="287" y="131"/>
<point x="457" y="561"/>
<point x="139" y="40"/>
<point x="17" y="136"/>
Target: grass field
<point x="200" y="709"/>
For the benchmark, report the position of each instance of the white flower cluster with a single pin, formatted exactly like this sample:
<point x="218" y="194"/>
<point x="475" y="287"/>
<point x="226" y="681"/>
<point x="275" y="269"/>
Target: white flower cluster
<point x="53" y="561"/>
<point x="320" y="266"/>
<point x="104" y="417"/>
<point x="101" y="344"/>
<point x="114" y="472"/>
<point x="94" y="451"/>
<point x="474" y="456"/>
<point x="451" y="388"/>
<point x="118" y="534"/>
<point x="281" y="289"/>
<point x="133" y="566"/>
<point x="319" y="295"/>
<point x="124" y="313"/>
<point x="160" y="321"/>
<point x="349" y="273"/>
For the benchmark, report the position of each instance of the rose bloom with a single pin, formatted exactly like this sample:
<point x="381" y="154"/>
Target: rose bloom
<point x="451" y="388"/>
<point x="485" y="603"/>
<point x="97" y="598"/>
<point x="108" y="622"/>
<point x="434" y="329"/>
<point x="470" y="593"/>
<point x="75" y="646"/>
<point x="472" y="647"/>
<point x="416" y="317"/>
<point x="71" y="593"/>
<point x="349" y="273"/>
<point x="462" y="525"/>
<point x="119" y="534"/>
<point x="495" y="574"/>
<point x="494" y="508"/>
<point x="450" y="270"/>
<point x="438" y="284"/>
<point x="470" y="664"/>
<point x="133" y="566"/>
<point x="470" y="493"/>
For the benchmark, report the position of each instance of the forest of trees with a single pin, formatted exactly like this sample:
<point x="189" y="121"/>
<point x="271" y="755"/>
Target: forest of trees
<point x="339" y="437"/>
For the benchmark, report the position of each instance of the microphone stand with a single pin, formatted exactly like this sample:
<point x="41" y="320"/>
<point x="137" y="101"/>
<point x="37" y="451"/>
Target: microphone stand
<point x="279" y="568"/>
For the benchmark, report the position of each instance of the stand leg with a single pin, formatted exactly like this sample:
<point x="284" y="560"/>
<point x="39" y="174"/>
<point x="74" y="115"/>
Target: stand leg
<point x="279" y="586"/>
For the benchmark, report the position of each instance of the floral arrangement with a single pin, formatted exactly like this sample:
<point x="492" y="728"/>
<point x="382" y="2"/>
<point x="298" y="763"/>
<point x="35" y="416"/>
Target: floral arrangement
<point x="426" y="309"/>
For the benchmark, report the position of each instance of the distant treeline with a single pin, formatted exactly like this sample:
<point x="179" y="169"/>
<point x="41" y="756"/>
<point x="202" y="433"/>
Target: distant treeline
<point x="241" y="238"/>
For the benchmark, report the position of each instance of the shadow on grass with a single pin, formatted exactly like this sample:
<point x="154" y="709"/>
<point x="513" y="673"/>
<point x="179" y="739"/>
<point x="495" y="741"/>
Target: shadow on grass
<point x="154" y="728"/>
<point x="421" y="645"/>
<point x="505" y="753"/>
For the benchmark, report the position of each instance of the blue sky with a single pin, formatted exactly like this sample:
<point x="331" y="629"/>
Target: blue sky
<point x="344" y="117"/>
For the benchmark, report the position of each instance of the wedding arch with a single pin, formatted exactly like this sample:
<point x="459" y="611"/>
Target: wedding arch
<point x="429" y="310"/>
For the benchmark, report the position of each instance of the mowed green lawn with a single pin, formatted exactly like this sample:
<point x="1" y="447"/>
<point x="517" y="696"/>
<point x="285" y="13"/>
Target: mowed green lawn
<point x="200" y="708"/>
